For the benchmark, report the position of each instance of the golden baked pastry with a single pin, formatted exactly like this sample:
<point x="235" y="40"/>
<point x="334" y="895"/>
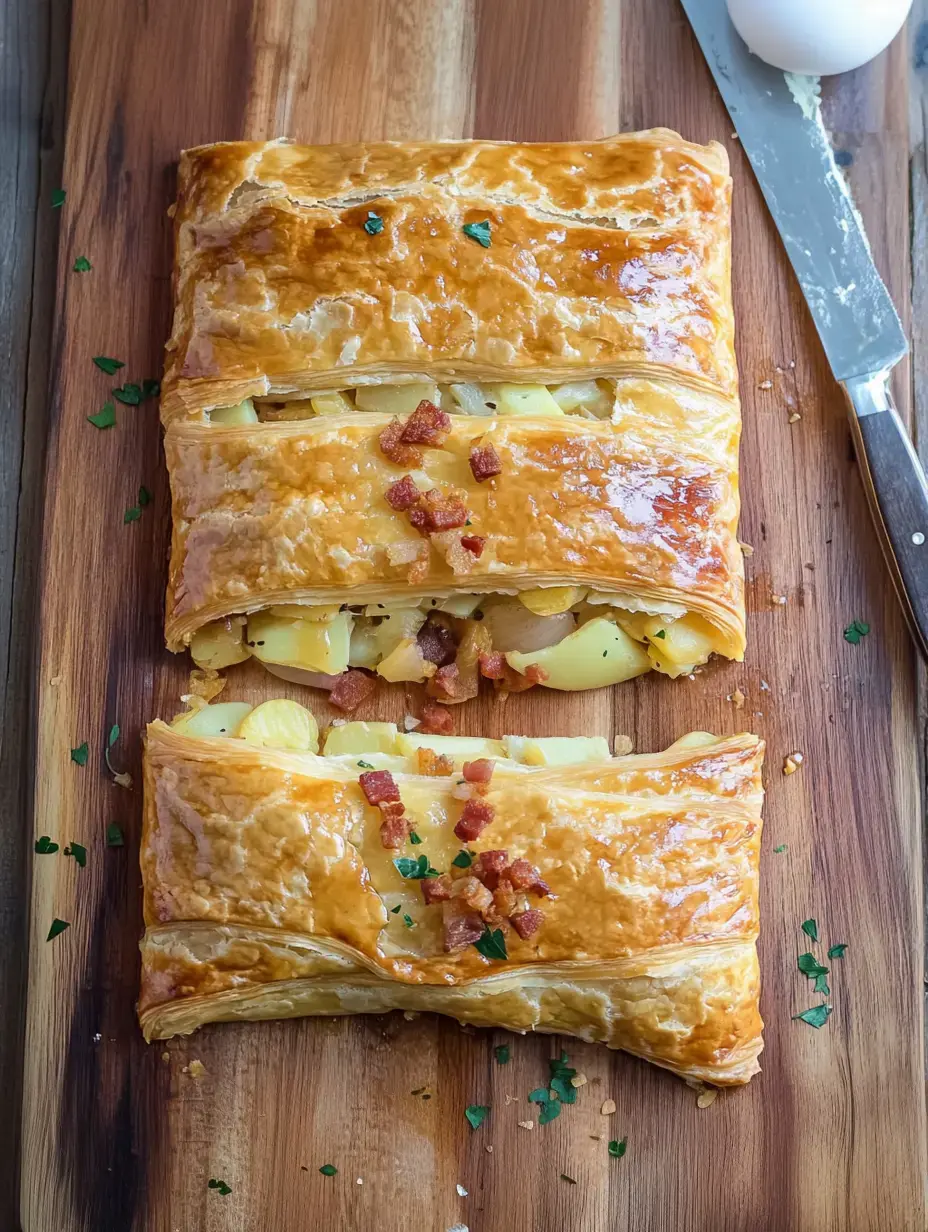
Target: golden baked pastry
<point x="450" y="376"/>
<point x="552" y="887"/>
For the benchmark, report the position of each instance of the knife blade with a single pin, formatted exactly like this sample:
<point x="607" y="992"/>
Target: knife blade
<point x="779" y="125"/>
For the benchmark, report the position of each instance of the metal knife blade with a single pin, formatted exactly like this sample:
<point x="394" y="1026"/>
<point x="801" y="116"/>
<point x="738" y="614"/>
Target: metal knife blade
<point x="807" y="195"/>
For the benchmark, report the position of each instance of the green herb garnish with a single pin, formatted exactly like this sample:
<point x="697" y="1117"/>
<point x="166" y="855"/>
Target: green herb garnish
<point x="855" y="631"/>
<point x="491" y="944"/>
<point x="476" y="1114"/>
<point x="821" y="985"/>
<point x="816" y="1017"/>
<point x="220" y="1186"/>
<point x="810" y="967"/>
<point x="365" y="765"/>
<point x="661" y="633"/>
<point x="414" y="838"/>
<point x="105" y="417"/>
<point x="395" y="910"/>
<point x="464" y="859"/>
<point x="782" y="847"/>
<point x="58" y="926"/>
<point x="59" y="196"/>
<point x="78" y="852"/>
<point x="617" y="1149"/>
<point x="81" y="266"/>
<point x="561" y="1074"/>
<point x="328" y="1170"/>
<point x="150" y="388"/>
<point x="479" y="231"/>
<point x="144" y="496"/>
<point x="502" y="1054"/>
<point x="409" y="921"/>
<point x="415" y="870"/>
<point x="373" y="224"/>
<point x="550" y="1110"/>
<point x="837" y="951"/>
<point x="810" y="928"/>
<point x="108" y="365"/>
<point x="132" y="514"/>
<point x="569" y="1179"/>
<point x="80" y="754"/>
<point x="44" y="846"/>
<point x="114" y="836"/>
<point x="129" y="395"/>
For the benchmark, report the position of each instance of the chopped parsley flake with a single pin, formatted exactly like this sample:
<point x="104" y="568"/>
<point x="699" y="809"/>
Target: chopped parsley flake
<point x="502" y="1054"/>
<point x="550" y="1111"/>
<point x="220" y="1186"/>
<point x="415" y="870"/>
<point x="661" y="633"/>
<point x="81" y="266"/>
<point x="491" y="944"/>
<point x="132" y="514"/>
<point x="464" y="859"/>
<point x="476" y="1114"/>
<point x="782" y="847"/>
<point x="810" y="928"/>
<point x="105" y="417"/>
<point x="409" y="921"/>
<point x="78" y="852"/>
<point x="395" y="910"/>
<point x="365" y="765"/>
<point x="479" y="231"/>
<point x="855" y="631"/>
<point x="59" y="196"/>
<point x="114" y="837"/>
<point x="816" y="1017"/>
<point x="144" y="496"/>
<point x="821" y="985"/>
<point x="810" y="967"/>
<point x="58" y="926"/>
<point x="373" y="224"/>
<point x="561" y="1074"/>
<point x="129" y="395"/>
<point x="837" y="951"/>
<point x="44" y="846"/>
<point x="328" y="1170"/>
<point x="569" y="1179"/>
<point x="80" y="754"/>
<point x="618" y="1149"/>
<point x="108" y="365"/>
<point x="414" y="838"/>
<point x="538" y="1096"/>
<point x="150" y="388"/>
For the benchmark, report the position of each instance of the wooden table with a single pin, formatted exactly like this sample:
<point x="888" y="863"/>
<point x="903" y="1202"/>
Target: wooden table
<point x="877" y="115"/>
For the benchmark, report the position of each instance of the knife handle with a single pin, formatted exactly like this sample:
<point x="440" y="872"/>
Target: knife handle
<point x="898" y="495"/>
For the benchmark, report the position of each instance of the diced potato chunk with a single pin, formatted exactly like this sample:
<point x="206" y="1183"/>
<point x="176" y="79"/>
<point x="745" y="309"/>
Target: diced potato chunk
<point x="361" y="738"/>
<point x="460" y="606"/>
<point x="585" y="394"/>
<point x="679" y="646"/>
<point x="404" y="662"/>
<point x="234" y="416"/>
<point x="281" y="724"/>
<point x="551" y="600"/>
<point x="306" y="611"/>
<point x="219" y="644"/>
<point x="557" y="750"/>
<point x="526" y="400"/>
<point x="313" y="645"/>
<point x="474" y="399"/>
<point x="219" y="719"/>
<point x="460" y="748"/>
<point x="395" y="399"/>
<point x="332" y="404"/>
<point x="599" y="653"/>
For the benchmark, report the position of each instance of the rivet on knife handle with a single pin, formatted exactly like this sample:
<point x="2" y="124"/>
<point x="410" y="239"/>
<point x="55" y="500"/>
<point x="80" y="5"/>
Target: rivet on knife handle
<point x="898" y="494"/>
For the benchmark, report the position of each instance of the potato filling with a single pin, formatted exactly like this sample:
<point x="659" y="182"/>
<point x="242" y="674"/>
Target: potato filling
<point x="564" y="637"/>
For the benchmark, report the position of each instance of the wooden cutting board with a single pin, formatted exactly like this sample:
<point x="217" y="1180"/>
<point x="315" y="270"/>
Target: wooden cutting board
<point x="121" y="1136"/>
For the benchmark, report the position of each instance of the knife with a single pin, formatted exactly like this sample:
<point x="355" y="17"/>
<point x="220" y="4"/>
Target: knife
<point x="779" y="125"/>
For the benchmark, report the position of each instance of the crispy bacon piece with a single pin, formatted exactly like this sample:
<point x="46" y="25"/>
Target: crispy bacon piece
<point x="447" y="685"/>
<point x="436" y="720"/>
<point x="536" y="673"/>
<point x="493" y="665"/>
<point x="393" y="447"/>
<point x="474" y="819"/>
<point x="484" y="462"/>
<point x="437" y="644"/>
<point x="488" y="866"/>
<point x="461" y="930"/>
<point x="351" y="688"/>
<point x="427" y="425"/>
<point x="403" y="494"/>
<point x="479" y="771"/>
<point x="473" y="893"/>
<point x="379" y="787"/>
<point x="522" y="875"/>
<point x="395" y="827"/>
<point x="436" y="889"/>
<point x="434" y="765"/>
<point x="435" y="512"/>
<point x="473" y="544"/>
<point x="527" y="923"/>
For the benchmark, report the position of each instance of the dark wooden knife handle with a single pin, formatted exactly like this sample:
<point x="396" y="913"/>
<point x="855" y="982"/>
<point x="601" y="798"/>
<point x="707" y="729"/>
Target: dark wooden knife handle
<point x="898" y="494"/>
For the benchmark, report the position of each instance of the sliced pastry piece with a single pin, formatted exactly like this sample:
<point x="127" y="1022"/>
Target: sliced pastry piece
<point x="536" y="885"/>
<point x="437" y="411"/>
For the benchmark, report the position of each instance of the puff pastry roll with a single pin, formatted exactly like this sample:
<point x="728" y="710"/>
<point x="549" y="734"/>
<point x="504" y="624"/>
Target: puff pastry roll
<point x="419" y="381"/>
<point x="532" y="885"/>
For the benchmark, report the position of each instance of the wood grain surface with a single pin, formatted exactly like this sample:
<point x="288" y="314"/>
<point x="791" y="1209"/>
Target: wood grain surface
<point x="118" y="1135"/>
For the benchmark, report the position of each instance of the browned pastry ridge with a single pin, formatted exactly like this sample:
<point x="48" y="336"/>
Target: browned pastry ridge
<point x="269" y="893"/>
<point x="607" y="259"/>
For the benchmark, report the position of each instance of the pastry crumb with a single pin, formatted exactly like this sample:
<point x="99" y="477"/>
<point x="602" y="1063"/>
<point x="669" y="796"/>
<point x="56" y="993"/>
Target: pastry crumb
<point x="737" y="698"/>
<point x="746" y="549"/>
<point x="462" y="1192"/>
<point x="411" y="1015"/>
<point x="196" y="1069"/>
<point x="765" y="686"/>
<point x="526" y="1124"/>
<point x="791" y="763"/>
<point x="795" y="417"/>
<point x="779" y="600"/>
<point x="578" y="1080"/>
<point x="622" y="746"/>
<point x="55" y="680"/>
<point x="706" y="1097"/>
<point x="488" y="1149"/>
<point x="410" y="723"/>
<point x="765" y="385"/>
<point x="608" y="1107"/>
<point x="359" y="1181"/>
<point x="165" y="1056"/>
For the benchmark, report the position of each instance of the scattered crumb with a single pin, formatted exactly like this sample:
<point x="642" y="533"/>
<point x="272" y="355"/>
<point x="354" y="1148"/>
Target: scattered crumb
<point x="510" y="1099"/>
<point x="792" y="763"/>
<point x="303" y="1168"/>
<point x="196" y="1069"/>
<point x="165" y="1056"/>
<point x="459" y="1227"/>
<point x="97" y="1038"/>
<point x="608" y="1107"/>
<point x="596" y="1137"/>
<point x="707" y="1097"/>
<point x="123" y="780"/>
<point x="779" y="600"/>
<point x="359" y="1181"/>
<point x="462" y="1192"/>
<point x="795" y="417"/>
<point x="792" y="363"/>
<point x="526" y="1124"/>
<point x="578" y="1080"/>
<point x="765" y="385"/>
<point x="411" y="1015"/>
<point x="735" y="137"/>
<point x="410" y="724"/>
<point x="488" y="1149"/>
<point x="746" y="549"/>
<point x="55" y="680"/>
<point x="622" y="745"/>
<point x="765" y="686"/>
<point x="736" y="698"/>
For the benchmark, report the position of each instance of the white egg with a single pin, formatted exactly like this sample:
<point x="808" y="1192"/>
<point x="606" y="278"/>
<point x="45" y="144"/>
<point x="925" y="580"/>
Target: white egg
<point x="818" y="37"/>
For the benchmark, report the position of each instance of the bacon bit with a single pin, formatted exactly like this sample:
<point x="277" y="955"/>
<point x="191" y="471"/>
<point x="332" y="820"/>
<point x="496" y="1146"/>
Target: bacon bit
<point x="505" y="901"/>
<point x="436" y="720"/>
<point x="492" y="665"/>
<point x="434" y="765"/>
<point x="403" y="494"/>
<point x="536" y="673"/>
<point x="524" y="876"/>
<point x="479" y="771"/>
<point x="488" y="866"/>
<point x="527" y="923"/>
<point x="427" y="425"/>
<point x="473" y="893"/>
<point x="474" y="819"/>
<point x="395" y="827"/>
<point x="379" y="787"/>
<point x="435" y="512"/>
<point x="444" y="683"/>
<point x="437" y="644"/>
<point x="461" y="930"/>
<point x="436" y="889"/>
<point x="393" y="447"/>
<point x="484" y="462"/>
<point x="473" y="544"/>
<point x="351" y="689"/>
